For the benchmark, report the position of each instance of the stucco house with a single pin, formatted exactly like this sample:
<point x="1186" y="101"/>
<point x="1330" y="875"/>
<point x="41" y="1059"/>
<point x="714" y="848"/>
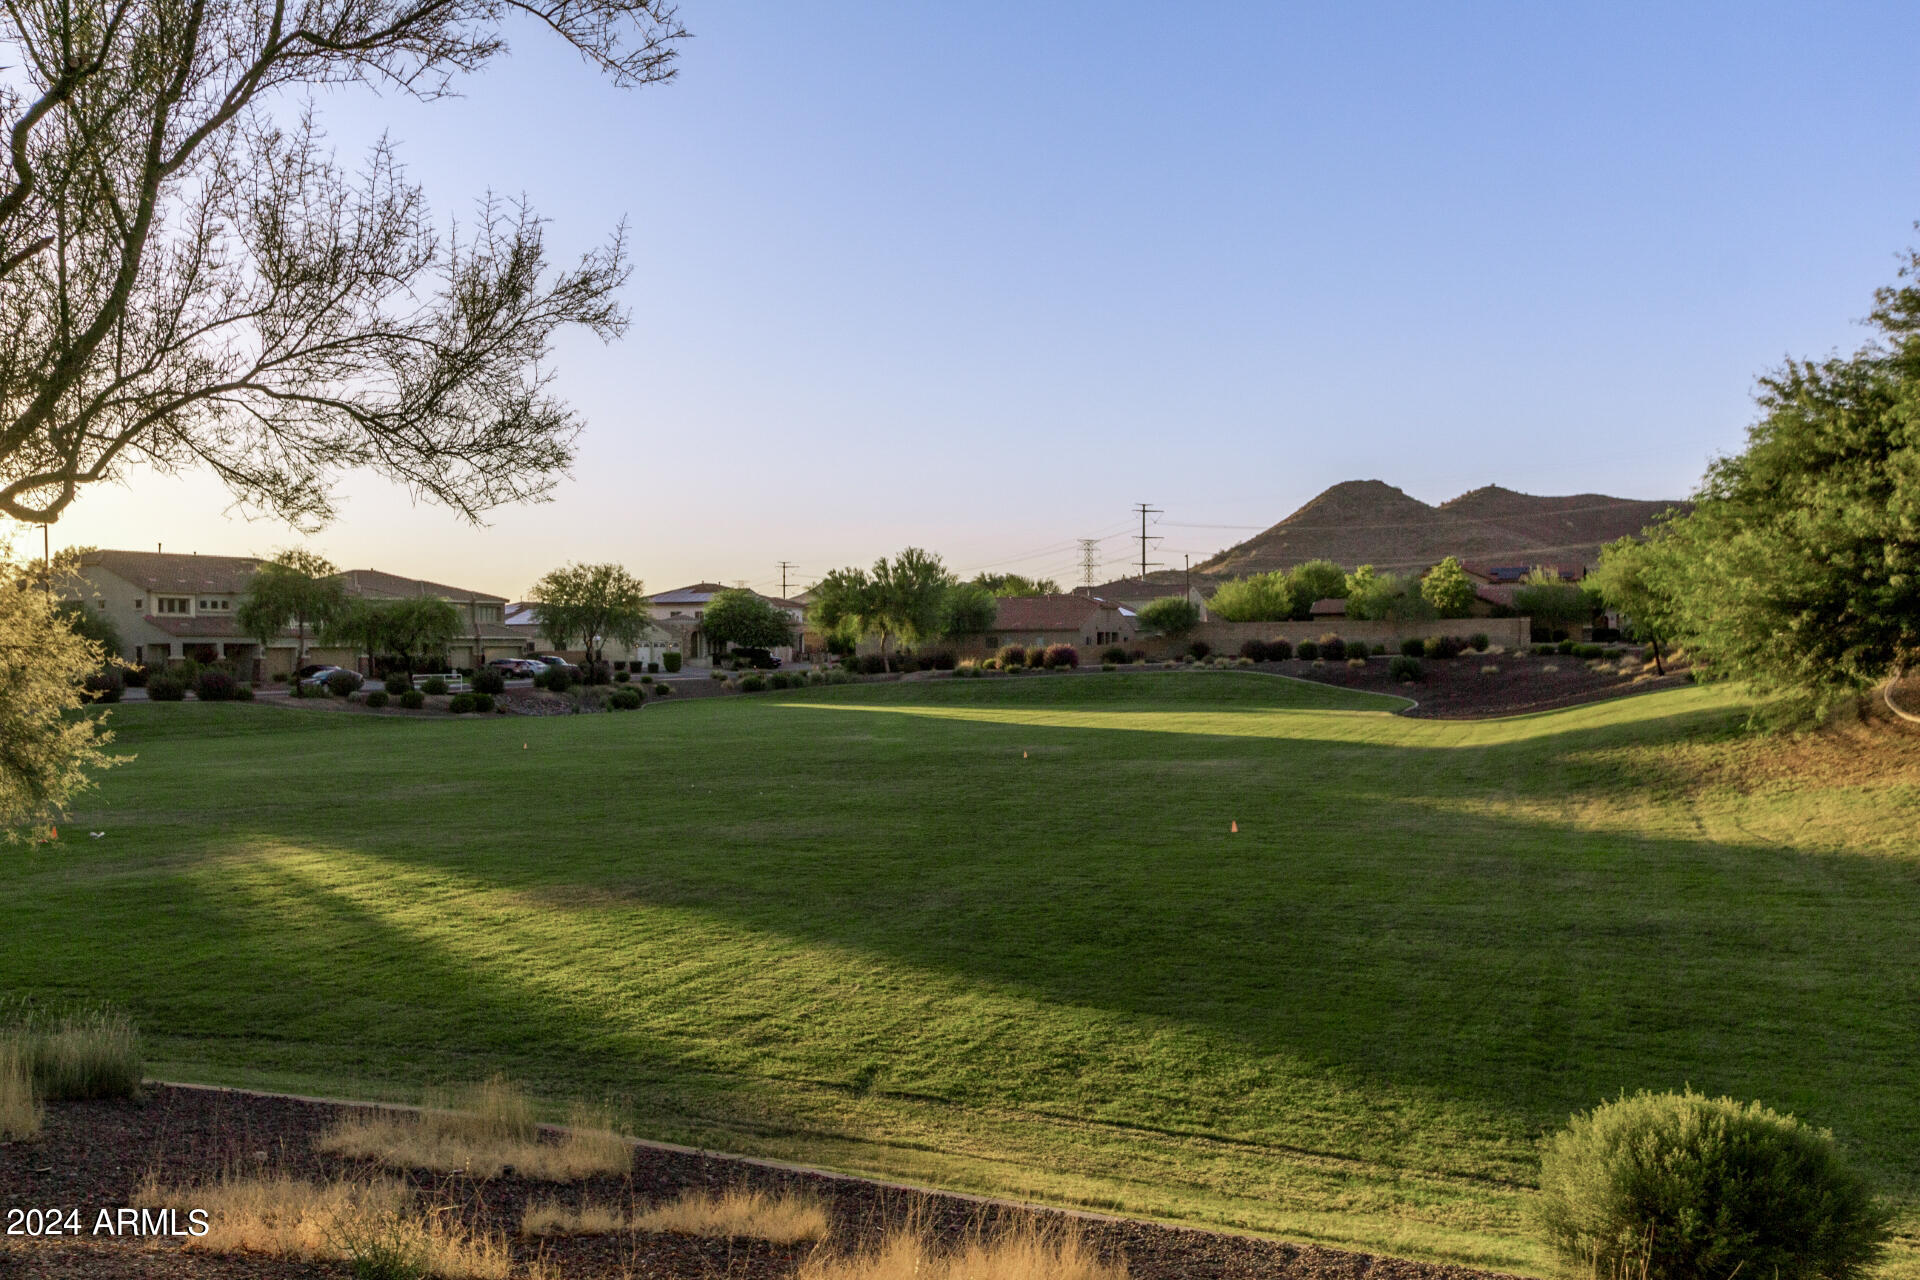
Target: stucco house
<point x="168" y="607"/>
<point x="678" y="613"/>
<point x="1085" y="622"/>
<point x="653" y="641"/>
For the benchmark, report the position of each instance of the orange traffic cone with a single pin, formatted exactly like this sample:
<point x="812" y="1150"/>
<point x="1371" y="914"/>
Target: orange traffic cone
<point x="1236" y="828"/>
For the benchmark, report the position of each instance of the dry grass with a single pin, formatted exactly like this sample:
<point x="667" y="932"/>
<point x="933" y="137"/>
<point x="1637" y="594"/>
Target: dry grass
<point x="784" y="1219"/>
<point x="551" y="1218"/>
<point x="486" y="1130"/>
<point x="19" y="1110"/>
<point x="92" y="1054"/>
<point x="284" y="1217"/>
<point x="1026" y="1252"/>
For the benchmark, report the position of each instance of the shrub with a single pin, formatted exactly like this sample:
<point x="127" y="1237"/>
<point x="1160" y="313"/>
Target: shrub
<point x="717" y="675"/>
<point x="670" y="659"/>
<point x="1011" y="656"/>
<point x="653" y="668"/>
<point x="165" y="686"/>
<point x="397" y="684"/>
<point x="342" y="684"/>
<point x="1279" y="650"/>
<point x="378" y="698"/>
<point x="482" y="703"/>
<point x="81" y="1056"/>
<point x="1380" y="649"/>
<point x="211" y="685"/>
<point x="596" y="673"/>
<point x="460" y="704"/>
<point x="1356" y="662"/>
<point x="1254" y="650"/>
<point x="625" y="700"/>
<point x="433" y="686"/>
<point x="622" y="676"/>
<point x="1136" y="655"/>
<point x="135" y="677"/>
<point x="1307" y="651"/>
<point x="1062" y="655"/>
<point x="106" y="684"/>
<point x="489" y="680"/>
<point x="1442" y="647"/>
<point x="1612" y="655"/>
<point x="1413" y="648"/>
<point x="1587" y="652"/>
<point x="1333" y="648"/>
<point x="1478" y="642"/>
<point x="662" y="689"/>
<point x="243" y="693"/>
<point x="754" y="683"/>
<point x="1566" y="647"/>
<point x="1113" y="653"/>
<point x="1406" y="669"/>
<point x="779" y="680"/>
<point x="1199" y="649"/>
<point x="413" y="699"/>
<point x="1673" y="1186"/>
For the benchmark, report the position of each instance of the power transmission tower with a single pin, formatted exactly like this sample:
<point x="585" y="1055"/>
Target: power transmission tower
<point x="1145" y="511"/>
<point x="784" y="566"/>
<point x="1089" y="560"/>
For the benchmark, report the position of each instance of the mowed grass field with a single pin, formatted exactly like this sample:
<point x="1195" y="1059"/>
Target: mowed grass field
<point x="998" y="935"/>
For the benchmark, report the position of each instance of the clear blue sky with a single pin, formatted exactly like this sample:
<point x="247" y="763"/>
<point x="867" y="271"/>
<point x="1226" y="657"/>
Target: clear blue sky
<point x="979" y="280"/>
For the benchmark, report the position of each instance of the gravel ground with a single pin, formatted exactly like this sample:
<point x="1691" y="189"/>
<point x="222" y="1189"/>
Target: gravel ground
<point x="93" y="1155"/>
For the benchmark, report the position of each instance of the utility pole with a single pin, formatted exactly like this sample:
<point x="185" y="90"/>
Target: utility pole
<point x="1186" y="559"/>
<point x="1089" y="561"/>
<point x="784" y="566"/>
<point x="1144" y="511"/>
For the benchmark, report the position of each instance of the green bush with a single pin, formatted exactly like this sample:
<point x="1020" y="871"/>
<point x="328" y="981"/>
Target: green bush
<point x="378" y="698"/>
<point x="489" y="680"/>
<point x="397" y="684"/>
<point x="433" y="686"/>
<point x="624" y="699"/>
<point x="1114" y="654"/>
<point x="1588" y="652"/>
<point x="653" y="668"/>
<point x="211" y="685"/>
<point x="662" y="689"/>
<point x="1443" y="647"/>
<point x="165" y="686"/>
<point x="1673" y="1186"/>
<point x="754" y="683"/>
<point x="413" y="699"/>
<point x="780" y="680"/>
<point x="1279" y="650"/>
<point x="1307" y="651"/>
<point x="1062" y="655"/>
<point x="1199" y="649"/>
<point x="342" y="684"/>
<point x="106" y="684"/>
<point x="1109" y="666"/>
<point x="1380" y="649"/>
<point x="1333" y="648"/>
<point x="670" y="659"/>
<point x="482" y="704"/>
<point x="460" y="704"/>
<point x="1566" y="647"/>
<point x="1011" y="656"/>
<point x="1406" y="669"/>
<point x="646" y="679"/>
<point x="717" y="675"/>
<point x="1478" y="642"/>
<point x="1413" y="648"/>
<point x="243" y="693"/>
<point x="622" y="676"/>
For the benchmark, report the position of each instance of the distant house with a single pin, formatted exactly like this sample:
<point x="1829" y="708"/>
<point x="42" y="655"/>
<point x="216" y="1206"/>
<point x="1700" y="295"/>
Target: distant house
<point x="169" y="607"/>
<point x="679" y="612"/>
<point x="1330" y="607"/>
<point x="1494" y="585"/>
<point x="1137" y="593"/>
<point x="1081" y="621"/>
<point x="653" y="641"/>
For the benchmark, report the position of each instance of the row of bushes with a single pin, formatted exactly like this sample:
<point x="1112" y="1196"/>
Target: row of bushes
<point x="210" y="685"/>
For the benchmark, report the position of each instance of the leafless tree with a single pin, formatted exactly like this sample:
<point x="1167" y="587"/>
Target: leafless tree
<point x="188" y="278"/>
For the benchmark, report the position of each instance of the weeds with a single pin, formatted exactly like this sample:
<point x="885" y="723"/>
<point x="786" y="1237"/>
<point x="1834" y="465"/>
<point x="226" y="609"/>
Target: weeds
<point x="19" y="1110"/>
<point x="486" y="1131"/>
<point x="784" y="1219"/>
<point x="91" y="1054"/>
<point x="1026" y="1252"/>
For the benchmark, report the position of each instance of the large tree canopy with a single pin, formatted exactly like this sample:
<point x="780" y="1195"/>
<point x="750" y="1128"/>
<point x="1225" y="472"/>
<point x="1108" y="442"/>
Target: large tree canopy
<point x="1798" y="569"/>
<point x="898" y="599"/>
<point x="296" y="589"/>
<point x="590" y="604"/>
<point x="188" y="278"/>
<point x="739" y="617"/>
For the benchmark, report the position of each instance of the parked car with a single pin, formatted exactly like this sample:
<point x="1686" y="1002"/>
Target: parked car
<point x="756" y="658"/>
<point x="312" y="677"/>
<point x="314" y="667"/>
<point x="517" y="666"/>
<point x="553" y="661"/>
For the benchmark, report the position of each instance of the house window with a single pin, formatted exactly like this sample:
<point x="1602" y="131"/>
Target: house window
<point x="139" y="604"/>
<point x="216" y="606"/>
<point x="171" y="604"/>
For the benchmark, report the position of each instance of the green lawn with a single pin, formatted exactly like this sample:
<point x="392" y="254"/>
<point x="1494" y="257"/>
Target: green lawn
<point x="997" y="935"/>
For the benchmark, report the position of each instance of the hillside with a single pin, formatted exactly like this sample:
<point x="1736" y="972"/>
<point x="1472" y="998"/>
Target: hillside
<point x="1372" y="522"/>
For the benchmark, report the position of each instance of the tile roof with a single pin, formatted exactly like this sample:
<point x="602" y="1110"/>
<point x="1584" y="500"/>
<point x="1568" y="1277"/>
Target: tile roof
<point x="166" y="571"/>
<point x="391" y="586"/>
<point x="1046" y="613"/>
<point x="702" y="592"/>
<point x="1330" y="607"/>
<point x="206" y="626"/>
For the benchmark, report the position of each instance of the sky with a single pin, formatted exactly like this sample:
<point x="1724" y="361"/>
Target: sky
<point x="905" y="276"/>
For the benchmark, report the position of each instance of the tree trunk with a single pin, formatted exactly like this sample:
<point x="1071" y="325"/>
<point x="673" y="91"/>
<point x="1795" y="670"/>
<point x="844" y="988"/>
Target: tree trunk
<point x="1658" y="665"/>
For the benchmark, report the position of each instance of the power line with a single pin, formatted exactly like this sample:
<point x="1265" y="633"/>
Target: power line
<point x="1145" y="511"/>
<point x="785" y="566"/>
<point x="1089" y="560"/>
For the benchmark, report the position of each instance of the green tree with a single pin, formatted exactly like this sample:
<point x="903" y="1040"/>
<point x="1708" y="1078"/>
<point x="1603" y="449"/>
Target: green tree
<point x="1551" y="601"/>
<point x="47" y="751"/>
<point x="91" y="624"/>
<point x="898" y="599"/>
<point x="1798" y="569"/>
<point x="1014" y="584"/>
<point x="1259" y="597"/>
<point x="1315" y="580"/>
<point x="1448" y="589"/>
<point x="419" y="626"/>
<point x="295" y="589"/>
<point x="1385" y="597"/>
<point x="1625" y="582"/>
<point x="362" y="625"/>
<point x="744" y="619"/>
<point x="969" y="609"/>
<point x="590" y="604"/>
<point x="1171" y="616"/>
<point x="188" y="276"/>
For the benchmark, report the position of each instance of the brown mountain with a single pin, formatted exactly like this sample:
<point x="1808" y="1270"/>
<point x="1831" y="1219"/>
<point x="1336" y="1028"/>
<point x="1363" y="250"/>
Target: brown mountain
<point x="1371" y="522"/>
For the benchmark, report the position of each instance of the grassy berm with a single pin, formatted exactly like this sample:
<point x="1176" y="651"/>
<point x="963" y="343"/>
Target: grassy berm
<point x="998" y="935"/>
